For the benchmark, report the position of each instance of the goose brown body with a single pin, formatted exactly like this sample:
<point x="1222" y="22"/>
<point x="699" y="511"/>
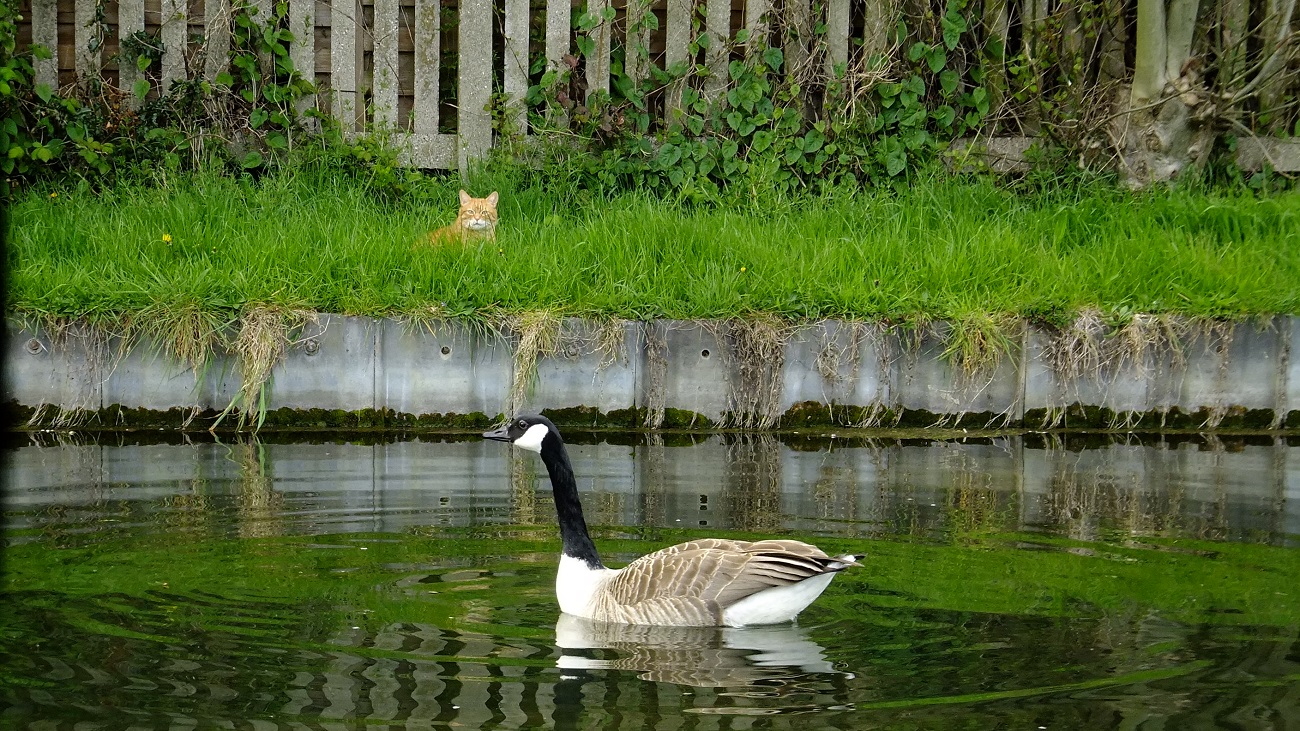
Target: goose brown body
<point x="705" y="582"/>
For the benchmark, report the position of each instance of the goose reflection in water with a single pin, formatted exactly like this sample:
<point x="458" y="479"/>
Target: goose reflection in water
<point x="703" y="657"/>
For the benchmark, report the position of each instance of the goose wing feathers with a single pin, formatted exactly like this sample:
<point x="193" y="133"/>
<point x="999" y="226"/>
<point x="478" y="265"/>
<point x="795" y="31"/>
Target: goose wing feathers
<point x="694" y="582"/>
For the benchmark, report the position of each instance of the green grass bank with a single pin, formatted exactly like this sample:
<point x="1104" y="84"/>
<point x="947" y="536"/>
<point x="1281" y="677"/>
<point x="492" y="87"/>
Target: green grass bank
<point x="951" y="248"/>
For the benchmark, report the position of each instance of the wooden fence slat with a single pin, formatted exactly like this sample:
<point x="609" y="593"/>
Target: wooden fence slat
<point x="717" y="22"/>
<point x="302" y="49"/>
<point x="130" y="20"/>
<point x="636" y="41"/>
<point x="878" y="19"/>
<point x="677" y="37"/>
<point x="798" y="17"/>
<point x="85" y="33"/>
<point x="557" y="32"/>
<point x="474" y="83"/>
<point x="427" y="28"/>
<point x="174" y="38"/>
<point x="837" y="35"/>
<point x="757" y="14"/>
<point x="516" y="61"/>
<point x="45" y="32"/>
<point x="557" y="47"/>
<point x="427" y="150"/>
<point x="216" y="37"/>
<point x="598" y="64"/>
<point x="385" y="60"/>
<point x="343" y="63"/>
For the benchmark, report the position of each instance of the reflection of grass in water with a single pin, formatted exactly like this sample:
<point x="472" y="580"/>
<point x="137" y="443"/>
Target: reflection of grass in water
<point x="1185" y="581"/>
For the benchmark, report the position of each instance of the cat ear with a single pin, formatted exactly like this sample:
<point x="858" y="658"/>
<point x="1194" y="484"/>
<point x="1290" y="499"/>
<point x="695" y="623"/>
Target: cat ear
<point x="464" y="198"/>
<point x="492" y="199"/>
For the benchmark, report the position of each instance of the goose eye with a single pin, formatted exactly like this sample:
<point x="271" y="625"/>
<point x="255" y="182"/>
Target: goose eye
<point x="523" y="424"/>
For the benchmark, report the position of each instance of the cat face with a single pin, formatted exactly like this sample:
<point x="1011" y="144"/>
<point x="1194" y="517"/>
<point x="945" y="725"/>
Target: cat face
<point x="477" y="214"/>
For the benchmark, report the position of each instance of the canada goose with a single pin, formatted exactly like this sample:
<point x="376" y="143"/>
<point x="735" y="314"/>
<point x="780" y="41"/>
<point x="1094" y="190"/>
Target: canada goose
<point x="708" y="582"/>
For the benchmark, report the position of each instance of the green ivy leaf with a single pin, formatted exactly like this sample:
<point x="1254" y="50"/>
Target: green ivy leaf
<point x="762" y="140"/>
<point x="252" y="160"/>
<point x="948" y="81"/>
<point x="733" y="120"/>
<point x="937" y="59"/>
<point x="140" y="88"/>
<point x="258" y="118"/>
<point x="44" y="92"/>
<point x="695" y="124"/>
<point x="892" y="154"/>
<point x="917" y="51"/>
<point x="773" y="58"/>
<point x="944" y="115"/>
<point x="669" y="155"/>
<point x="953" y="26"/>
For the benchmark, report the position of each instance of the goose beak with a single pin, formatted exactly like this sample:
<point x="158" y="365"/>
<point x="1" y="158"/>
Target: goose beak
<point x="499" y="434"/>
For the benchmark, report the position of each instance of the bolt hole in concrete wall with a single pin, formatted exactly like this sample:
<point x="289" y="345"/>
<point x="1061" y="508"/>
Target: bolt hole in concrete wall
<point x="446" y="350"/>
<point x="704" y="353"/>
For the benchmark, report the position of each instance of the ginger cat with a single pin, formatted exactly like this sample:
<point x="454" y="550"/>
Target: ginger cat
<point x="477" y="219"/>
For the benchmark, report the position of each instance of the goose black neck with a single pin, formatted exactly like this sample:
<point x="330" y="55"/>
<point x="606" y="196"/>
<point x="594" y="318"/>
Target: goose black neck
<point x="568" y="508"/>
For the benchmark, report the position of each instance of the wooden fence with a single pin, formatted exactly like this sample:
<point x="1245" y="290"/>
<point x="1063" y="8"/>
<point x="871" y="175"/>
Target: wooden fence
<point x="427" y="69"/>
<point x="390" y="62"/>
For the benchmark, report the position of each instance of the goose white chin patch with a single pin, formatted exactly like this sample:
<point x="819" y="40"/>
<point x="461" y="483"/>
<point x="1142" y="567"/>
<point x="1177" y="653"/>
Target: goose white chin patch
<point x="532" y="439"/>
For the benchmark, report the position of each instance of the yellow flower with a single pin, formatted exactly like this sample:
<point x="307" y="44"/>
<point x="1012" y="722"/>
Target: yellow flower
<point x="167" y="238"/>
<point x="54" y="195"/>
<point x="742" y="270"/>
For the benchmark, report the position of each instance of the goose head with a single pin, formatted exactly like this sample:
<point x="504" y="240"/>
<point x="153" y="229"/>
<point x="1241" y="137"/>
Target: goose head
<point x="530" y="432"/>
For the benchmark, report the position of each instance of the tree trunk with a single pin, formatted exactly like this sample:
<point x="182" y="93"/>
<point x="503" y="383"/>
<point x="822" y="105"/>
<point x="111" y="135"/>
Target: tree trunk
<point x="1161" y="127"/>
<point x="1234" y="21"/>
<point x="1274" y="32"/>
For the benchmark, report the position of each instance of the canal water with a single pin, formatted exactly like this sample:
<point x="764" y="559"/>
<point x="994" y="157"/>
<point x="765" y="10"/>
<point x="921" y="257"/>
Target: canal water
<point x="1012" y="581"/>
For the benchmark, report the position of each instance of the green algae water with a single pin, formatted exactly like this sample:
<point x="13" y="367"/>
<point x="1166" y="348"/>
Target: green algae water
<point x="1020" y="582"/>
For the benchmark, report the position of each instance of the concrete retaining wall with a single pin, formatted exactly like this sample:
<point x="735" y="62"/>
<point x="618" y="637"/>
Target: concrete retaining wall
<point x="361" y="372"/>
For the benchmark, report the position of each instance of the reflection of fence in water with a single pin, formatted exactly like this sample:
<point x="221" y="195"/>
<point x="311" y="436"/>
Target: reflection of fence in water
<point x="1214" y="488"/>
<point x="1205" y="490"/>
